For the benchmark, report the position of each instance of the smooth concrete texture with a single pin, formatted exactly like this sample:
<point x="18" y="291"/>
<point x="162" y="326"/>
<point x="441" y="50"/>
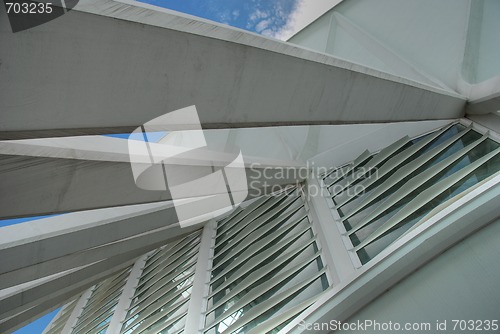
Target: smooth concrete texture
<point x="41" y="186"/>
<point x="404" y="38"/>
<point x="36" y="242"/>
<point x="148" y="241"/>
<point x="129" y="64"/>
<point x="370" y="138"/>
<point x="460" y="284"/>
<point x="412" y="40"/>
<point x="487" y="48"/>
<point x="29" y="304"/>
<point x="490" y="121"/>
<point x="488" y="105"/>
<point x="88" y="172"/>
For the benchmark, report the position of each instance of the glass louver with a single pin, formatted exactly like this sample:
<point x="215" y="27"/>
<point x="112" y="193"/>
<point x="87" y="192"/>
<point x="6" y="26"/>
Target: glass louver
<point x="161" y="299"/>
<point x="379" y="197"/>
<point x="101" y="304"/>
<point x="58" y="324"/>
<point x="267" y="266"/>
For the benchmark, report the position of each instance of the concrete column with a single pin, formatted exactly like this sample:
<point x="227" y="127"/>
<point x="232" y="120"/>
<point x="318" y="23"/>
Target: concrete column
<point x="199" y="292"/>
<point x="128" y="292"/>
<point x="77" y="311"/>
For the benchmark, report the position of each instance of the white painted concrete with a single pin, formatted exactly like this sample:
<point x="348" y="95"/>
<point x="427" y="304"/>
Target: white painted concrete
<point x="458" y="285"/>
<point x="129" y="64"/>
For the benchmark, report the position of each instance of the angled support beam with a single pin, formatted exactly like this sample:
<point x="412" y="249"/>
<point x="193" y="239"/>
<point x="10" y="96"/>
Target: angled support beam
<point x="34" y="186"/>
<point x="487" y="105"/>
<point x="300" y="86"/>
<point x="28" y="244"/>
<point x="28" y="304"/>
<point x="385" y="54"/>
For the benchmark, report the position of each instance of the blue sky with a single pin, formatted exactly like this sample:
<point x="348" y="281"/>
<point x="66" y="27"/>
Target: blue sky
<point x="261" y="16"/>
<point x="37" y="327"/>
<point x="7" y="222"/>
<point x="152" y="137"/>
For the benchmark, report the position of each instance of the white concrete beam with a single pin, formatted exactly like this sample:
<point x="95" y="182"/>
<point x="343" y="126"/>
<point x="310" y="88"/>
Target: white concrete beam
<point x="32" y="186"/>
<point x="26" y="305"/>
<point x="129" y="64"/>
<point x="487" y="105"/>
<point x="31" y="243"/>
<point x="149" y="241"/>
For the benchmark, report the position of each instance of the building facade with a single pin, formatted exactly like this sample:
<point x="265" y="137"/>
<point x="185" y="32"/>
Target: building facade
<point x="371" y="152"/>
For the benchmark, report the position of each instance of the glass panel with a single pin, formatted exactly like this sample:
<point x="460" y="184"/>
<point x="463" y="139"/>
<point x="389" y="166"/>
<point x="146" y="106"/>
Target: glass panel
<point x="249" y="258"/>
<point x="465" y="140"/>
<point x="345" y="172"/>
<point x="481" y="173"/>
<point x="162" y="296"/>
<point x="280" y="268"/>
<point x="299" y="296"/>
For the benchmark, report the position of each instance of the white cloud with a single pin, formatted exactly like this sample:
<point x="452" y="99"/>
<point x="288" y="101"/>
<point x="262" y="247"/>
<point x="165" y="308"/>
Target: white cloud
<point x="305" y="12"/>
<point x="259" y="27"/>
<point x="267" y="32"/>
<point x="257" y="15"/>
<point x="224" y="17"/>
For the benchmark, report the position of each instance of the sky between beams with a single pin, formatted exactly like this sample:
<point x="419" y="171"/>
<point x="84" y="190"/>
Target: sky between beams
<point x="274" y="18"/>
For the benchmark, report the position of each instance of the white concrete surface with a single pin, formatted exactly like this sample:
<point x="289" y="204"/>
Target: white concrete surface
<point x="129" y="64"/>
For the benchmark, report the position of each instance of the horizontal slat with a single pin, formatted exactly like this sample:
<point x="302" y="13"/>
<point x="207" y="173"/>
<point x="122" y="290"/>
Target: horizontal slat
<point x="96" y="307"/>
<point x="230" y="223"/>
<point x="424" y="197"/>
<point x="94" y="319"/>
<point x="152" y="308"/>
<point x="263" y="243"/>
<point x="169" y="322"/>
<point x="103" y="291"/>
<point x="283" y="257"/>
<point x="96" y="325"/>
<point x="92" y="316"/>
<point x="153" y="319"/>
<point x="373" y="163"/>
<point x="268" y="325"/>
<point x="395" y="162"/>
<point x="362" y="157"/>
<point x="449" y="201"/>
<point x="181" y="260"/>
<point x="251" y="218"/>
<point x="404" y="171"/>
<point x="255" y="235"/>
<point x="166" y="275"/>
<point x="233" y="214"/>
<point x="258" y="274"/>
<point x="414" y="183"/>
<point x="172" y="254"/>
<point x="162" y="284"/>
<point x="268" y="304"/>
<point x="160" y="295"/>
